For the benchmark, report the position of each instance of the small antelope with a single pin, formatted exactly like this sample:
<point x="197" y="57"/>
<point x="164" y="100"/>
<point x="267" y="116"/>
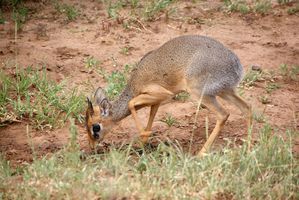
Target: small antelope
<point x="199" y="65"/>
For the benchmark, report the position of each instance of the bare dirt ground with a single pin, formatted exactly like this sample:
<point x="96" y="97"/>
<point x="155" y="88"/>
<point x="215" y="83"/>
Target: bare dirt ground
<point x="46" y="40"/>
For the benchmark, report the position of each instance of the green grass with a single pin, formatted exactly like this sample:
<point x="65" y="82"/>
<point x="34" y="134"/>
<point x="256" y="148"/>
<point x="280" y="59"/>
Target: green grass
<point x="262" y="6"/>
<point x="244" y="7"/>
<point x="135" y="9"/>
<point x="71" y="12"/>
<point x="270" y="87"/>
<point x="169" y="120"/>
<point x="182" y="96"/>
<point x="264" y="99"/>
<point x="289" y="72"/>
<point x="268" y="171"/>
<point x="2" y="18"/>
<point x="237" y="6"/>
<point x="29" y="95"/>
<point x="125" y="50"/>
<point x="259" y="117"/>
<point x="283" y="1"/>
<point x="155" y="7"/>
<point x="251" y="77"/>
<point x="293" y="10"/>
<point x="92" y="63"/>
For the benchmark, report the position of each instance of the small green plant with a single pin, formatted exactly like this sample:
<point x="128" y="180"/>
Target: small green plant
<point x="182" y="96"/>
<point x="2" y="19"/>
<point x="92" y="63"/>
<point x="125" y="50"/>
<point x="134" y="3"/>
<point x="262" y="6"/>
<point x="293" y="10"/>
<point x="270" y="87"/>
<point x="70" y="11"/>
<point x="154" y="7"/>
<point x="290" y="73"/>
<point x="259" y="117"/>
<point x="251" y="77"/>
<point x="113" y="7"/>
<point x="244" y="7"/>
<point x="112" y="12"/>
<point x="283" y="1"/>
<point x="169" y="120"/>
<point x="264" y="99"/>
<point x="240" y="91"/>
<point x="237" y="6"/>
<point x="284" y="69"/>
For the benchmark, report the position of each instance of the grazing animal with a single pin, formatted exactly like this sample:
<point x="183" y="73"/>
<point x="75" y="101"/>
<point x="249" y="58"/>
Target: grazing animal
<point x="199" y="65"/>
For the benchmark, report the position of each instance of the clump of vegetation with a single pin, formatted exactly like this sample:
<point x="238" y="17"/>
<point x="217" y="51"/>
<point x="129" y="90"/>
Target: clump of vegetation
<point x="270" y="87"/>
<point x="152" y="9"/>
<point x="143" y="10"/>
<point x="244" y="7"/>
<point x="283" y="1"/>
<point x="251" y="77"/>
<point x="265" y="99"/>
<point x="269" y="170"/>
<point x="182" y="96"/>
<point x="259" y="117"/>
<point x="113" y="8"/>
<point x="92" y="63"/>
<point x="289" y="72"/>
<point x="2" y="19"/>
<point x="293" y="10"/>
<point x="169" y="120"/>
<point x="125" y="50"/>
<point x="29" y="95"/>
<point x="69" y="11"/>
<point x="19" y="12"/>
<point x="262" y="6"/>
<point x="237" y="6"/>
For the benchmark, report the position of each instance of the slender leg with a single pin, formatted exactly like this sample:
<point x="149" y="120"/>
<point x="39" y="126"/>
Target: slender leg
<point x="153" y="112"/>
<point x="233" y="98"/>
<point x="152" y="96"/>
<point x="222" y="115"/>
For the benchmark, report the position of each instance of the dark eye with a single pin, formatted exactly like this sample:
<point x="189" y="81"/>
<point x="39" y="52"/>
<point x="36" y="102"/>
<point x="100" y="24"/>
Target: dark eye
<point x="96" y="128"/>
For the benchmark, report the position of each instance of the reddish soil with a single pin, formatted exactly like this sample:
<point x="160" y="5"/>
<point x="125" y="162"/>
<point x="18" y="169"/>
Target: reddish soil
<point x="46" y="40"/>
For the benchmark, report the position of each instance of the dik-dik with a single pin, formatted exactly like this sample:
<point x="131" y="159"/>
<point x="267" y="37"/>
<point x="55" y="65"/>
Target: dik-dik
<point x="198" y="65"/>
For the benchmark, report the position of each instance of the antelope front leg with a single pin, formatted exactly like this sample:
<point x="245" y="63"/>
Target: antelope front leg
<point x="152" y="96"/>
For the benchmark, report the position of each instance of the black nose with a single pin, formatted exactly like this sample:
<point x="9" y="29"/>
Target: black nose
<point x="96" y="128"/>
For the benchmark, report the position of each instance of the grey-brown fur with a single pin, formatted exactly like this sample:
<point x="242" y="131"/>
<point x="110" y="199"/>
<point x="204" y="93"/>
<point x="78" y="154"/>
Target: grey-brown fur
<point x="200" y="58"/>
<point x="197" y="57"/>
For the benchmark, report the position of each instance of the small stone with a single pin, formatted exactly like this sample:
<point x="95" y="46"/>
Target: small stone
<point x="256" y="68"/>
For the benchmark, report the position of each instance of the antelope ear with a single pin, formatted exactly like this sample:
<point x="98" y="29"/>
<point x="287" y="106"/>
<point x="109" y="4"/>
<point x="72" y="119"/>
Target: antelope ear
<point x="90" y="107"/>
<point x="99" y="96"/>
<point x="102" y="101"/>
<point x="105" y="107"/>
